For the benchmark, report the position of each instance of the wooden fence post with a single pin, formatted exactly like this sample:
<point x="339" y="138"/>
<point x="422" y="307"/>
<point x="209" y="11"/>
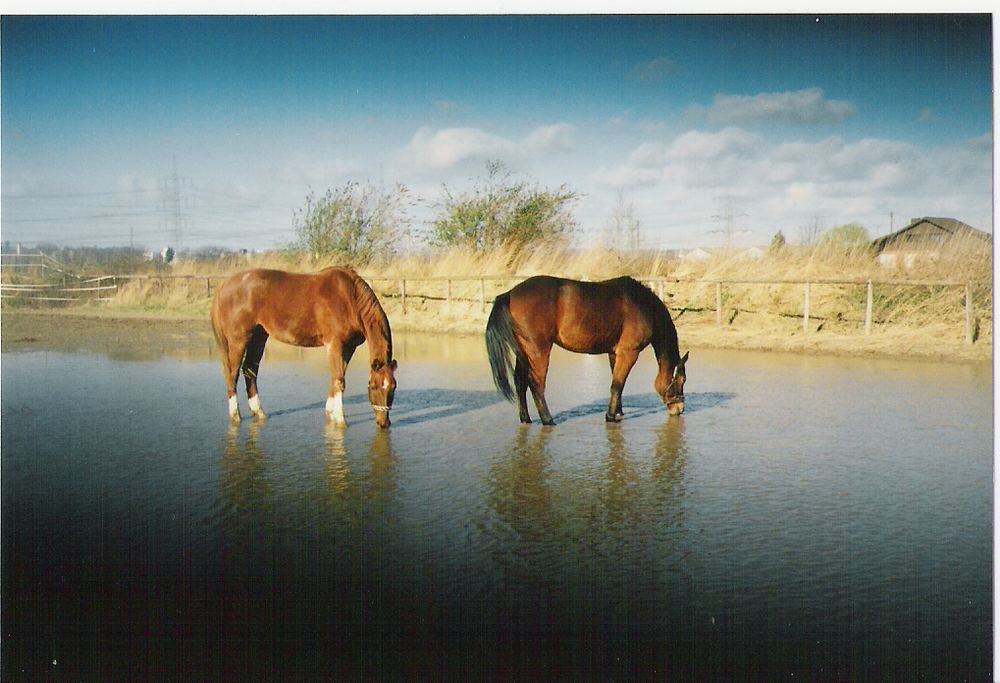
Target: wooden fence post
<point x="718" y="303"/>
<point x="482" y="295"/>
<point x="447" y="295"/>
<point x="402" y="291"/>
<point x="805" y="310"/>
<point x="968" y="313"/>
<point x="868" y="310"/>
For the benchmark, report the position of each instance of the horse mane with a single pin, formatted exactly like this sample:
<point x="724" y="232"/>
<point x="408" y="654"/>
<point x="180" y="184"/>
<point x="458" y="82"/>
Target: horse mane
<point x="663" y="325"/>
<point x="374" y="321"/>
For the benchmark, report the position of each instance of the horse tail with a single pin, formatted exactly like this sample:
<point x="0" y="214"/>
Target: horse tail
<point x="220" y="338"/>
<point x="501" y="344"/>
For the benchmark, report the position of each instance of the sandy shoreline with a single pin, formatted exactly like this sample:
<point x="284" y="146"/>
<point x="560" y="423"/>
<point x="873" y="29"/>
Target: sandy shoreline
<point x="110" y="330"/>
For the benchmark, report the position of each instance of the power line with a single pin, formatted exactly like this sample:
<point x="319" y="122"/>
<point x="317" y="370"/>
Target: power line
<point x="172" y="186"/>
<point x="68" y="195"/>
<point x="81" y="217"/>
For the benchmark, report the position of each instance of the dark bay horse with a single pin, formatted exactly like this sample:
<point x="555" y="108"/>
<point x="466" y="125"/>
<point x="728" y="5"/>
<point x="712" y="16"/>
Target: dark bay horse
<point x="334" y="308"/>
<point x="618" y="317"/>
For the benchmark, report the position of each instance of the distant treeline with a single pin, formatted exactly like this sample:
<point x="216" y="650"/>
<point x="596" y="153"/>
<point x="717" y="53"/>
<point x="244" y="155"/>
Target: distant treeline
<point x="119" y="258"/>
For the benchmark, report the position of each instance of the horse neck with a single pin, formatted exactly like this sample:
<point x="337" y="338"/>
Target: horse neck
<point x="374" y="323"/>
<point x="664" y="341"/>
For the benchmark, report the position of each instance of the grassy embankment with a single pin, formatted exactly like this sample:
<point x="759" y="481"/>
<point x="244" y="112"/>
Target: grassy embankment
<point x="911" y="320"/>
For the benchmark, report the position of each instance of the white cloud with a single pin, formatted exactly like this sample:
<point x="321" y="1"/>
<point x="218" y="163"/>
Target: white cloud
<point x="438" y="150"/>
<point x="695" y="145"/>
<point x="555" y="138"/>
<point x="799" y="106"/>
<point x="676" y="183"/>
<point x="306" y="169"/>
<point x="694" y="157"/>
<point x="134" y="183"/>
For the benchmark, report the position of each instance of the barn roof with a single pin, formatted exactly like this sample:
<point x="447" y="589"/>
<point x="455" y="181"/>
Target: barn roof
<point x="949" y="226"/>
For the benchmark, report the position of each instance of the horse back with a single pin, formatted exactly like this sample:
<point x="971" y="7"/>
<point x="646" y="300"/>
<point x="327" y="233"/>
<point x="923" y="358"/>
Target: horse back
<point x="303" y="309"/>
<point x="585" y="317"/>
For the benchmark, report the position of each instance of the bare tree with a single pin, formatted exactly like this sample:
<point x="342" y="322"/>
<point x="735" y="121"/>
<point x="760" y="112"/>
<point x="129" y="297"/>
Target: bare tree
<point x="623" y="229"/>
<point x="809" y="234"/>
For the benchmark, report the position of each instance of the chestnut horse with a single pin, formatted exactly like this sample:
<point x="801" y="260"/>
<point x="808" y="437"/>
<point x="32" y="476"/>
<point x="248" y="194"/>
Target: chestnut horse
<point x="334" y="308"/>
<point x="618" y="317"/>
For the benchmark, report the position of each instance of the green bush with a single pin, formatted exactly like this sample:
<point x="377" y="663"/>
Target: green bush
<point x="359" y="224"/>
<point x="847" y="237"/>
<point x="501" y="211"/>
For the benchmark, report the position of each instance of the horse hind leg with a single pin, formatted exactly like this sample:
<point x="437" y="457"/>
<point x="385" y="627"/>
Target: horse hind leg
<point x="521" y="388"/>
<point x="251" y="365"/>
<point x="539" y="359"/>
<point x="232" y="360"/>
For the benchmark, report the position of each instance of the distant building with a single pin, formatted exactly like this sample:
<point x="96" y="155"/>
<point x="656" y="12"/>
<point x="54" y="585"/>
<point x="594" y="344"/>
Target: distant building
<point x="924" y="238"/>
<point x="697" y="254"/>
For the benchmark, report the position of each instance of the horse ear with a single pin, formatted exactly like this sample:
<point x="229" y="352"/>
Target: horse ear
<point x="685" y="357"/>
<point x="392" y="365"/>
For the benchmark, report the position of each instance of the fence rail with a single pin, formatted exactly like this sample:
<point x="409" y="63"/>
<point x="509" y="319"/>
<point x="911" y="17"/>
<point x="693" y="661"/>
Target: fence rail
<point x="105" y="287"/>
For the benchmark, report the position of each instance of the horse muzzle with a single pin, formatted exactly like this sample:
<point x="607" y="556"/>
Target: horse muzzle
<point x="675" y="405"/>
<point x="382" y="416"/>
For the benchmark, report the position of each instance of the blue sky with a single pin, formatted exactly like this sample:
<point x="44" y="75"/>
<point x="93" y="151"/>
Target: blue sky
<point x="784" y="121"/>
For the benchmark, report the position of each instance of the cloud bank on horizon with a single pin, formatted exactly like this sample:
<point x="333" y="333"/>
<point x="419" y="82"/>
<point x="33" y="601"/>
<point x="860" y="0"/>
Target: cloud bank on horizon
<point x="790" y="120"/>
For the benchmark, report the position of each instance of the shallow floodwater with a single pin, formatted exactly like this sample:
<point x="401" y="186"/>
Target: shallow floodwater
<point x="822" y="518"/>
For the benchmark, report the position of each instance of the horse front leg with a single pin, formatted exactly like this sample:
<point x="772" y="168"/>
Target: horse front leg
<point x="611" y="359"/>
<point x="251" y="365"/>
<point x="338" y="356"/>
<point x="624" y="360"/>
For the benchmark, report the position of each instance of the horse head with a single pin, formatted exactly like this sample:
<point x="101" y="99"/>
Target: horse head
<point x="672" y="392"/>
<point x="381" y="389"/>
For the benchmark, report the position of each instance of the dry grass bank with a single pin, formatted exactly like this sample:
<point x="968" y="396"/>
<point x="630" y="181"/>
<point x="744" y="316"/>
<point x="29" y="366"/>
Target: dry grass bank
<point x="909" y="319"/>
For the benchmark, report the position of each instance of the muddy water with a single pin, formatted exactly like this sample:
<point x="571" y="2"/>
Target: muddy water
<point x="826" y="518"/>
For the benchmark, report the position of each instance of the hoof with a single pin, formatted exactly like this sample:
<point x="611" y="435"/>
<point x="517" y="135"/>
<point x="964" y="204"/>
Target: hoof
<point x="526" y="420"/>
<point x="549" y="423"/>
<point x="334" y="420"/>
<point x="260" y="415"/>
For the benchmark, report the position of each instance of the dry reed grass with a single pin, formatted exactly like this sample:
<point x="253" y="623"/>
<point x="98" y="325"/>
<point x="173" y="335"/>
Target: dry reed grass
<point x="754" y="315"/>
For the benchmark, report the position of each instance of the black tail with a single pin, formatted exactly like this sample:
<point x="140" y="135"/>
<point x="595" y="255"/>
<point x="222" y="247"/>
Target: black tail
<point x="501" y="345"/>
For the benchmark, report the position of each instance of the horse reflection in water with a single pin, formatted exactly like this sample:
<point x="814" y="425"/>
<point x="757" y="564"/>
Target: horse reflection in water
<point x="617" y="317"/>
<point x="521" y="492"/>
<point x="620" y="492"/>
<point x="606" y="494"/>
<point x="244" y="484"/>
<point x="379" y="483"/>
<point x="566" y="529"/>
<point x="334" y="308"/>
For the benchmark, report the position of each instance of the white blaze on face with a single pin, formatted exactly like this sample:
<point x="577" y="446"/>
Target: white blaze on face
<point x="335" y="407"/>
<point x="234" y="407"/>
<point x="385" y="384"/>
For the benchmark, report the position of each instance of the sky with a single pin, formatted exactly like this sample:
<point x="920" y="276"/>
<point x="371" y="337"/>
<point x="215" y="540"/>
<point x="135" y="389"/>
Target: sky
<point x="117" y="130"/>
